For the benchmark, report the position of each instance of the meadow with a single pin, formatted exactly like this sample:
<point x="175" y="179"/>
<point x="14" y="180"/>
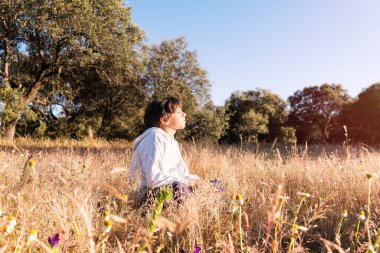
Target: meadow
<point x="275" y="199"/>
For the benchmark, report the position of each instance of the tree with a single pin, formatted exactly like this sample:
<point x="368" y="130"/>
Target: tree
<point x="252" y="124"/>
<point x="257" y="114"/>
<point x="44" y="43"/>
<point x="110" y="100"/>
<point x="314" y="108"/>
<point x="207" y="124"/>
<point x="172" y="70"/>
<point x="362" y="117"/>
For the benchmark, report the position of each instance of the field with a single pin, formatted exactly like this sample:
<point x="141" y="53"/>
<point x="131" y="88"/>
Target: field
<point x="72" y="185"/>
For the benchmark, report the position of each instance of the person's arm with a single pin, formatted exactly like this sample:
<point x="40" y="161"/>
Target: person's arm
<point x="190" y="180"/>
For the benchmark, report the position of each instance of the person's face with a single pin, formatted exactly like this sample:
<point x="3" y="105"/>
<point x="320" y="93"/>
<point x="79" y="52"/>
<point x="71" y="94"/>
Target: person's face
<point x="176" y="120"/>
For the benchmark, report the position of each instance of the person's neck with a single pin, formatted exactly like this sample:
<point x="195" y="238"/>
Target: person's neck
<point x="168" y="130"/>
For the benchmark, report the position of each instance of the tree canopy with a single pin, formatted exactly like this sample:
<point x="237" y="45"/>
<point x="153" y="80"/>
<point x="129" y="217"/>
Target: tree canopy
<point x="257" y="115"/>
<point x="47" y="47"/>
<point x="362" y="117"/>
<point x="313" y="109"/>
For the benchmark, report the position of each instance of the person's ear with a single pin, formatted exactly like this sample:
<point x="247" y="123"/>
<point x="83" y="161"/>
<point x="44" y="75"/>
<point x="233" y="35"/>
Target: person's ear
<point x="164" y="121"/>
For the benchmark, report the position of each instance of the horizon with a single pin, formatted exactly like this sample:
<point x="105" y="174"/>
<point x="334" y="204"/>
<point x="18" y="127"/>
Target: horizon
<point x="277" y="46"/>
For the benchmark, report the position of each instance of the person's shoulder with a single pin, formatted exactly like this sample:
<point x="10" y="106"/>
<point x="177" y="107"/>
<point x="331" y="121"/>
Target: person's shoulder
<point x="155" y="134"/>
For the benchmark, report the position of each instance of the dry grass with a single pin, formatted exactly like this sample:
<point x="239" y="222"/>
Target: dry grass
<point x="72" y="186"/>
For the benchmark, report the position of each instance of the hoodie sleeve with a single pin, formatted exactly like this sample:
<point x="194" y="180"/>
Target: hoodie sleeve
<point x="152" y="162"/>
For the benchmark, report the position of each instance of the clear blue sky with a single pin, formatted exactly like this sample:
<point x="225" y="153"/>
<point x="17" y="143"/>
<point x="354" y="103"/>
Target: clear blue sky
<point x="282" y="46"/>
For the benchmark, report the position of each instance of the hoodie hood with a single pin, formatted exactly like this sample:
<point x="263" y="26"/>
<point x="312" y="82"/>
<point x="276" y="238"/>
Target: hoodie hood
<point x="152" y="130"/>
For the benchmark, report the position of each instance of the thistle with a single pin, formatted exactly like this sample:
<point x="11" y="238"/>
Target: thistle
<point x="12" y="221"/>
<point x="31" y="238"/>
<point x="361" y="217"/>
<point x="8" y="229"/>
<point x="369" y="176"/>
<point x="196" y="250"/>
<point x="27" y="173"/>
<point x="107" y="225"/>
<point x="343" y="216"/>
<point x="106" y="215"/>
<point x="239" y="200"/>
<point x="54" y="241"/>
<point x="10" y="226"/>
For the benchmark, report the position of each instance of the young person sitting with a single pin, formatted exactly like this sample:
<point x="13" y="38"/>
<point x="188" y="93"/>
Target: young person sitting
<point x="156" y="153"/>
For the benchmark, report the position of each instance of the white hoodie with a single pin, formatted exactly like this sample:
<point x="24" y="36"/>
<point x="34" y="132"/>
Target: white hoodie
<point x="157" y="155"/>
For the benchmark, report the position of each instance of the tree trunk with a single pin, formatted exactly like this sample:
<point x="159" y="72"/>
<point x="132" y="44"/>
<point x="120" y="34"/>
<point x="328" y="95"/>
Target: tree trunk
<point x="10" y="130"/>
<point x="10" y="127"/>
<point x="324" y="134"/>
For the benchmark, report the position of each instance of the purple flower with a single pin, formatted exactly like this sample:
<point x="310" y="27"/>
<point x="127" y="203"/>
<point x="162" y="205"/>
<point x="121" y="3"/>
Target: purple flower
<point x="197" y="249"/>
<point x="53" y="241"/>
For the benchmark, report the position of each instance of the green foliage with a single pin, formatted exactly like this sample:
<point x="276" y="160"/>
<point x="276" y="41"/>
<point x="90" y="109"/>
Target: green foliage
<point x="252" y="124"/>
<point x="362" y="117"/>
<point x="287" y="135"/>
<point x="11" y="101"/>
<point x="46" y="46"/>
<point x="172" y="70"/>
<point x="314" y="109"/>
<point x="206" y="124"/>
<point x="257" y="115"/>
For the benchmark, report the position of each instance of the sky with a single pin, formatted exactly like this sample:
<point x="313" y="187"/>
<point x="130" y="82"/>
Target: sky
<point x="282" y="46"/>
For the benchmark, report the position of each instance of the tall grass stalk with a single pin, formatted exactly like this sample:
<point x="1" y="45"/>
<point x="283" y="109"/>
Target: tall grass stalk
<point x="370" y="177"/>
<point x="361" y="217"/>
<point x="163" y="195"/>
<point x="294" y="227"/>
<point x="276" y="242"/>
<point x="342" y="217"/>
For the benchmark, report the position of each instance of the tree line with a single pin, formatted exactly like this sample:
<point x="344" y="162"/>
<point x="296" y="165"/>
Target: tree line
<point x="67" y="66"/>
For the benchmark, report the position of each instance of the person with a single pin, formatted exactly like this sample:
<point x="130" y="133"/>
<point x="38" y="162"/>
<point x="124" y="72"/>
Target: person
<point x="156" y="153"/>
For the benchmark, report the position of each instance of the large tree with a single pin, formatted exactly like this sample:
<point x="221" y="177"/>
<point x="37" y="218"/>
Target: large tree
<point x="257" y="115"/>
<point x="46" y="45"/>
<point x="362" y="117"/>
<point x="207" y="123"/>
<point x="173" y="70"/>
<point x="314" y="108"/>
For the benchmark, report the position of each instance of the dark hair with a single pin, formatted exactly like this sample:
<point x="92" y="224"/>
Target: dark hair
<point x="160" y="108"/>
